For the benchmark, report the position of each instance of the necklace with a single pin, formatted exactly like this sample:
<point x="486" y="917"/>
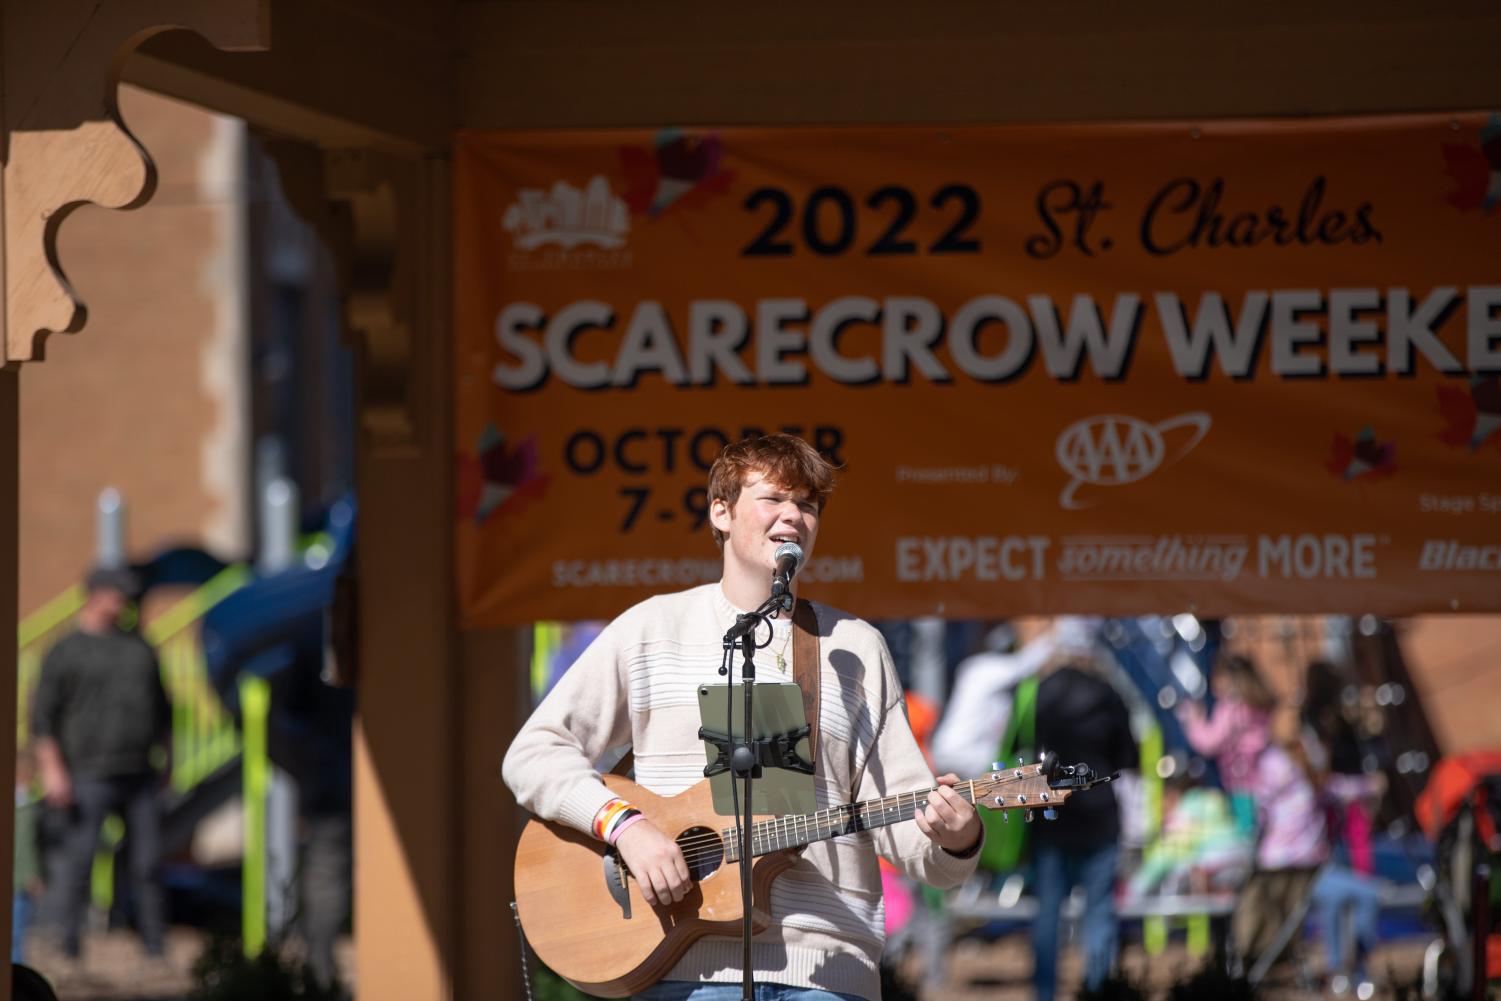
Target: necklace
<point x="782" y="653"/>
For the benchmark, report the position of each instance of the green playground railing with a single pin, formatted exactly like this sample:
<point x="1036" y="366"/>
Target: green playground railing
<point x="547" y="639"/>
<point x="255" y="707"/>
<point x="204" y="735"/>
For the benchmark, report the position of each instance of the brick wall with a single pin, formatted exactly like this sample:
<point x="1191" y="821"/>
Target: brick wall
<point x="148" y="398"/>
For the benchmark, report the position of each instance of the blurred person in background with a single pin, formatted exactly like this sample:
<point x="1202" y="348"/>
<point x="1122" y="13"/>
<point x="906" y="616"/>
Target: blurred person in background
<point x="98" y="716"/>
<point x="26" y="876"/>
<point x="1335" y="746"/>
<point x="1292" y="845"/>
<point x="1278" y="780"/>
<point x="1200" y="848"/>
<point x="1347" y="896"/>
<point x="979" y="706"/>
<point x="1080" y="718"/>
<point x="1235" y="733"/>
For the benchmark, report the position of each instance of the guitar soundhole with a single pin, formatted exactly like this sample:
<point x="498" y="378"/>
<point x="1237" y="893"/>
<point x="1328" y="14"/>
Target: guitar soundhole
<point x="702" y="850"/>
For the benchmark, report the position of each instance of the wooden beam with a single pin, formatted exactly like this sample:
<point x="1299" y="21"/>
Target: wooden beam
<point x="10" y="502"/>
<point x="349" y="74"/>
<point x="495" y="700"/>
<point x="537" y="63"/>
<point x="409" y="742"/>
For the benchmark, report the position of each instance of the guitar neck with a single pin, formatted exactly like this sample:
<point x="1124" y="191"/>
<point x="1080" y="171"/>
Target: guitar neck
<point x="796" y="830"/>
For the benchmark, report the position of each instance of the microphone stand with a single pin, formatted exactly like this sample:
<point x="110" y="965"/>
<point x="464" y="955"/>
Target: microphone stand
<point x="743" y="760"/>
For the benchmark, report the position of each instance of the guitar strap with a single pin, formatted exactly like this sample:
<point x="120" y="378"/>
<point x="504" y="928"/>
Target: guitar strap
<point x="625" y="764"/>
<point x="806" y="670"/>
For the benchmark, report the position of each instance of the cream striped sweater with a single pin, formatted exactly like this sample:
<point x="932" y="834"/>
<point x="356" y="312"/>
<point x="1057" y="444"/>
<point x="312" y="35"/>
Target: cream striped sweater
<point x="637" y="685"/>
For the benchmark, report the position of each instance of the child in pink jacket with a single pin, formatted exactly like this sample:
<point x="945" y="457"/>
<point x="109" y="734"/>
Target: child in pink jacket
<point x="1236" y="733"/>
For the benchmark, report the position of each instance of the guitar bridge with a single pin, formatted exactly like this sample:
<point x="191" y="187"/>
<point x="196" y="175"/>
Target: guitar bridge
<point x="616" y="875"/>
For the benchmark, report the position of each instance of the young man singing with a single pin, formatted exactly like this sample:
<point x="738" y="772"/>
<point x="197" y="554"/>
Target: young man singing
<point x="637" y="684"/>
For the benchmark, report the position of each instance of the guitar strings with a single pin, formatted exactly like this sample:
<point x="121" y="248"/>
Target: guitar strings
<point x="768" y="829"/>
<point x="706" y="847"/>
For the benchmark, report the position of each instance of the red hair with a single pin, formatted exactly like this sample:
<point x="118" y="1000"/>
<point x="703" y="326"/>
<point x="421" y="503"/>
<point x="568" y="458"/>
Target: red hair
<point x="784" y="459"/>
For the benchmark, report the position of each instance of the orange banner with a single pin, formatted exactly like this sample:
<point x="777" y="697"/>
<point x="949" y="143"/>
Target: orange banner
<point x="1228" y="367"/>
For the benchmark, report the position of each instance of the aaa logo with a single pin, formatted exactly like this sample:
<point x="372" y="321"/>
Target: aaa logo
<point x="1110" y="450"/>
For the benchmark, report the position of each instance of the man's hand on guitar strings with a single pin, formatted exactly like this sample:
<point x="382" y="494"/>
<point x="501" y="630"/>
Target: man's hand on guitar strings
<point x="656" y="862"/>
<point x="949" y="819"/>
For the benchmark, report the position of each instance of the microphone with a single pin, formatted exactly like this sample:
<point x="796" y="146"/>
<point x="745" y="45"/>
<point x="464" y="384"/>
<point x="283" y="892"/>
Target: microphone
<point x="789" y="558"/>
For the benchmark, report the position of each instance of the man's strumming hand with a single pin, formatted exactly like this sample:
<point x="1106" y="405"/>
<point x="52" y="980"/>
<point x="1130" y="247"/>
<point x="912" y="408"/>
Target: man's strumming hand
<point x="655" y="861"/>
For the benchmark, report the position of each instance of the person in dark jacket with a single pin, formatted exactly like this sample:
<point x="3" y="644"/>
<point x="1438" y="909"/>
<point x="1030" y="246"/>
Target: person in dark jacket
<point x="97" y="716"/>
<point x="1080" y="717"/>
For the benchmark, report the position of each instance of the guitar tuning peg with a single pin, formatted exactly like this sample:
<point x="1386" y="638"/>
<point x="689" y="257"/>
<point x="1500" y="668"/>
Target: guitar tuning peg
<point x="996" y="766"/>
<point x="1020" y="760"/>
<point x="1028" y="816"/>
<point x="1050" y="814"/>
<point x="1005" y="816"/>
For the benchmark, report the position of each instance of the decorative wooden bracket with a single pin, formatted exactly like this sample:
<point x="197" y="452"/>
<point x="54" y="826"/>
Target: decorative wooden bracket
<point x="367" y="207"/>
<point x="382" y="192"/>
<point x="66" y="144"/>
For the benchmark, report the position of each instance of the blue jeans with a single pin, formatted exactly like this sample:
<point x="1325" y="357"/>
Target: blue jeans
<point x="1340" y="889"/>
<point x="687" y="990"/>
<point x="20" y="920"/>
<point x="1057" y="871"/>
<point x="133" y="797"/>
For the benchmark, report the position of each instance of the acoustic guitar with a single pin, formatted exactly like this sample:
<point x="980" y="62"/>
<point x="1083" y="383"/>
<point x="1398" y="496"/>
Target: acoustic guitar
<point x="584" y="916"/>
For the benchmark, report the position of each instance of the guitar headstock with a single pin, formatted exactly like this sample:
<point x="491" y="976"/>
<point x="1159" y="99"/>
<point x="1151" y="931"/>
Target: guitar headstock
<point x="1042" y="785"/>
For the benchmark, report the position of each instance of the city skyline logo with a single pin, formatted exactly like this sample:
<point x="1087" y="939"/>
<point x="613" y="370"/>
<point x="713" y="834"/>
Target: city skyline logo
<point x="568" y="217"/>
<point x="1111" y="450"/>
